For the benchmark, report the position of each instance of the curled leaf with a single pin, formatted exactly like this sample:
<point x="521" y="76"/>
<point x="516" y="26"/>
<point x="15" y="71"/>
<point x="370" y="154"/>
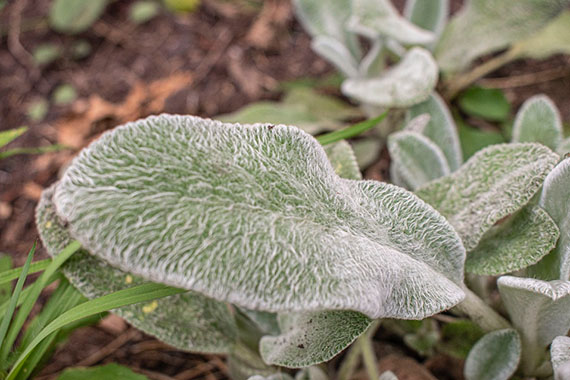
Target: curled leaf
<point x="407" y="83"/>
<point x="496" y="182"/>
<point x="254" y="215"/>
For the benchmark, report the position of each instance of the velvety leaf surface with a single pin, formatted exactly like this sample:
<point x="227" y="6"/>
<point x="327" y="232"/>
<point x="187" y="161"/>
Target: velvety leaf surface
<point x="328" y="18"/>
<point x="407" y="83"/>
<point x="494" y="357"/>
<point x="514" y="244"/>
<point x="336" y="53"/>
<point x="486" y="26"/>
<point x="538" y="309"/>
<point x="494" y="183"/>
<point x="254" y="215"/>
<point x="538" y="120"/>
<point x="419" y="159"/>
<point x="311" y="338"/>
<point x="343" y="160"/>
<point x="379" y="18"/>
<point x="188" y="321"/>
<point x="429" y="15"/>
<point x="109" y="371"/>
<point x="554" y="38"/>
<point x="440" y="129"/>
<point x="554" y="199"/>
<point x="560" y="357"/>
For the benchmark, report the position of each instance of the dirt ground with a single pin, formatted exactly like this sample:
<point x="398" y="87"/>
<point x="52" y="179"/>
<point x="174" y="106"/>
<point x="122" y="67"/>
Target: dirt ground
<point x="215" y="60"/>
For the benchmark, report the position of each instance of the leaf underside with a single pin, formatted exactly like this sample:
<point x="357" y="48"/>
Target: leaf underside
<point x="494" y="183"/>
<point x="188" y="321"/>
<point x="494" y="357"/>
<point x="515" y="244"/>
<point x="255" y="216"/>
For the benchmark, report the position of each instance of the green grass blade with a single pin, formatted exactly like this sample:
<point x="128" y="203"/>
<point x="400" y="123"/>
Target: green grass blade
<point x="23" y="296"/>
<point x="31" y="299"/>
<point x="5" y="288"/>
<point x="8" y="136"/>
<point x="38" y="150"/>
<point x="12" y="274"/>
<point x="352" y="131"/>
<point x="14" y="299"/>
<point x="136" y="294"/>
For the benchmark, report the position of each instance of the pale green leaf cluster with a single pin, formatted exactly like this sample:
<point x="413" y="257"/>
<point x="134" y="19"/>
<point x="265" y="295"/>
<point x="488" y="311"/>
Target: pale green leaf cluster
<point x="494" y="357"/>
<point x="254" y="216"/>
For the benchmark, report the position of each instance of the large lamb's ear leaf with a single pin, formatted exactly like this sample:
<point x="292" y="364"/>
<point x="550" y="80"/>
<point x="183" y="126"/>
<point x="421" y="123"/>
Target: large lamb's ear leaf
<point x="407" y="83"/>
<point x="379" y="18"/>
<point x="554" y="199"/>
<point x="336" y="53"/>
<point x="515" y="244"/>
<point x="328" y="18"/>
<point x="419" y="159"/>
<point x="560" y="357"/>
<point x="538" y="310"/>
<point x="188" y="321"/>
<point x="486" y="26"/>
<point x="496" y="356"/>
<point x="554" y="38"/>
<point x="429" y="15"/>
<point x="538" y="120"/>
<point x="494" y="183"/>
<point x="343" y="160"/>
<point x="254" y="215"/>
<point x="441" y="128"/>
<point x="312" y="338"/>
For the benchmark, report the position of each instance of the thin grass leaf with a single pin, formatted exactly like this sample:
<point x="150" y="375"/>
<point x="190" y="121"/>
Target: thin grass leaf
<point x="352" y="131"/>
<point x="31" y="299"/>
<point x="38" y="150"/>
<point x="10" y="135"/>
<point x="142" y="293"/>
<point x="13" y="274"/>
<point x="14" y="299"/>
<point x="23" y="296"/>
<point x="5" y="288"/>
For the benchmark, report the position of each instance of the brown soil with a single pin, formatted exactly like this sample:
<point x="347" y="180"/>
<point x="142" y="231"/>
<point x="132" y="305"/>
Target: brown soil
<point x="223" y="56"/>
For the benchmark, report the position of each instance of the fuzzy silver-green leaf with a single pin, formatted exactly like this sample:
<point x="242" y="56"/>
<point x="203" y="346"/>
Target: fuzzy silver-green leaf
<point x="538" y="120"/>
<point x="379" y="18"/>
<point x="336" y="53"/>
<point x="254" y="215"/>
<point x="428" y="14"/>
<point x="419" y="159"/>
<point x="343" y="160"/>
<point x="188" y="321"/>
<point x="405" y="84"/>
<point x="560" y="357"/>
<point x="486" y="26"/>
<point x="494" y="357"/>
<point x="554" y="38"/>
<point x="496" y="182"/>
<point x="441" y="128"/>
<point x="514" y="244"/>
<point x="555" y="200"/>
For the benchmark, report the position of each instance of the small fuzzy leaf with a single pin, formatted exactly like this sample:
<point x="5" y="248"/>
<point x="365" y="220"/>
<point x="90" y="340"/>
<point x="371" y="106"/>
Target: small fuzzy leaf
<point x="554" y="199"/>
<point x="486" y="26"/>
<point x="538" y="309"/>
<point x="109" y="371"/>
<point x="419" y="159"/>
<point x="312" y="338"/>
<point x="440" y="129"/>
<point x="514" y="244"/>
<point x="75" y="16"/>
<point x="366" y="151"/>
<point x="496" y="182"/>
<point x="487" y="103"/>
<point x="143" y="11"/>
<point x="336" y="53"/>
<point x="495" y="357"/>
<point x="560" y="357"/>
<point x="407" y="83"/>
<point x="343" y="160"/>
<point x="254" y="215"/>
<point x="327" y="18"/>
<point x="554" y="38"/>
<point x="538" y="120"/>
<point x="188" y="321"/>
<point x="379" y="18"/>
<point x="429" y="15"/>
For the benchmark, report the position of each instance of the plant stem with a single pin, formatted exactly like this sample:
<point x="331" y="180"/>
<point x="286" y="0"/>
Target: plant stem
<point x="363" y="345"/>
<point x="368" y="356"/>
<point x="461" y="81"/>
<point x="480" y="313"/>
<point x="349" y="363"/>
